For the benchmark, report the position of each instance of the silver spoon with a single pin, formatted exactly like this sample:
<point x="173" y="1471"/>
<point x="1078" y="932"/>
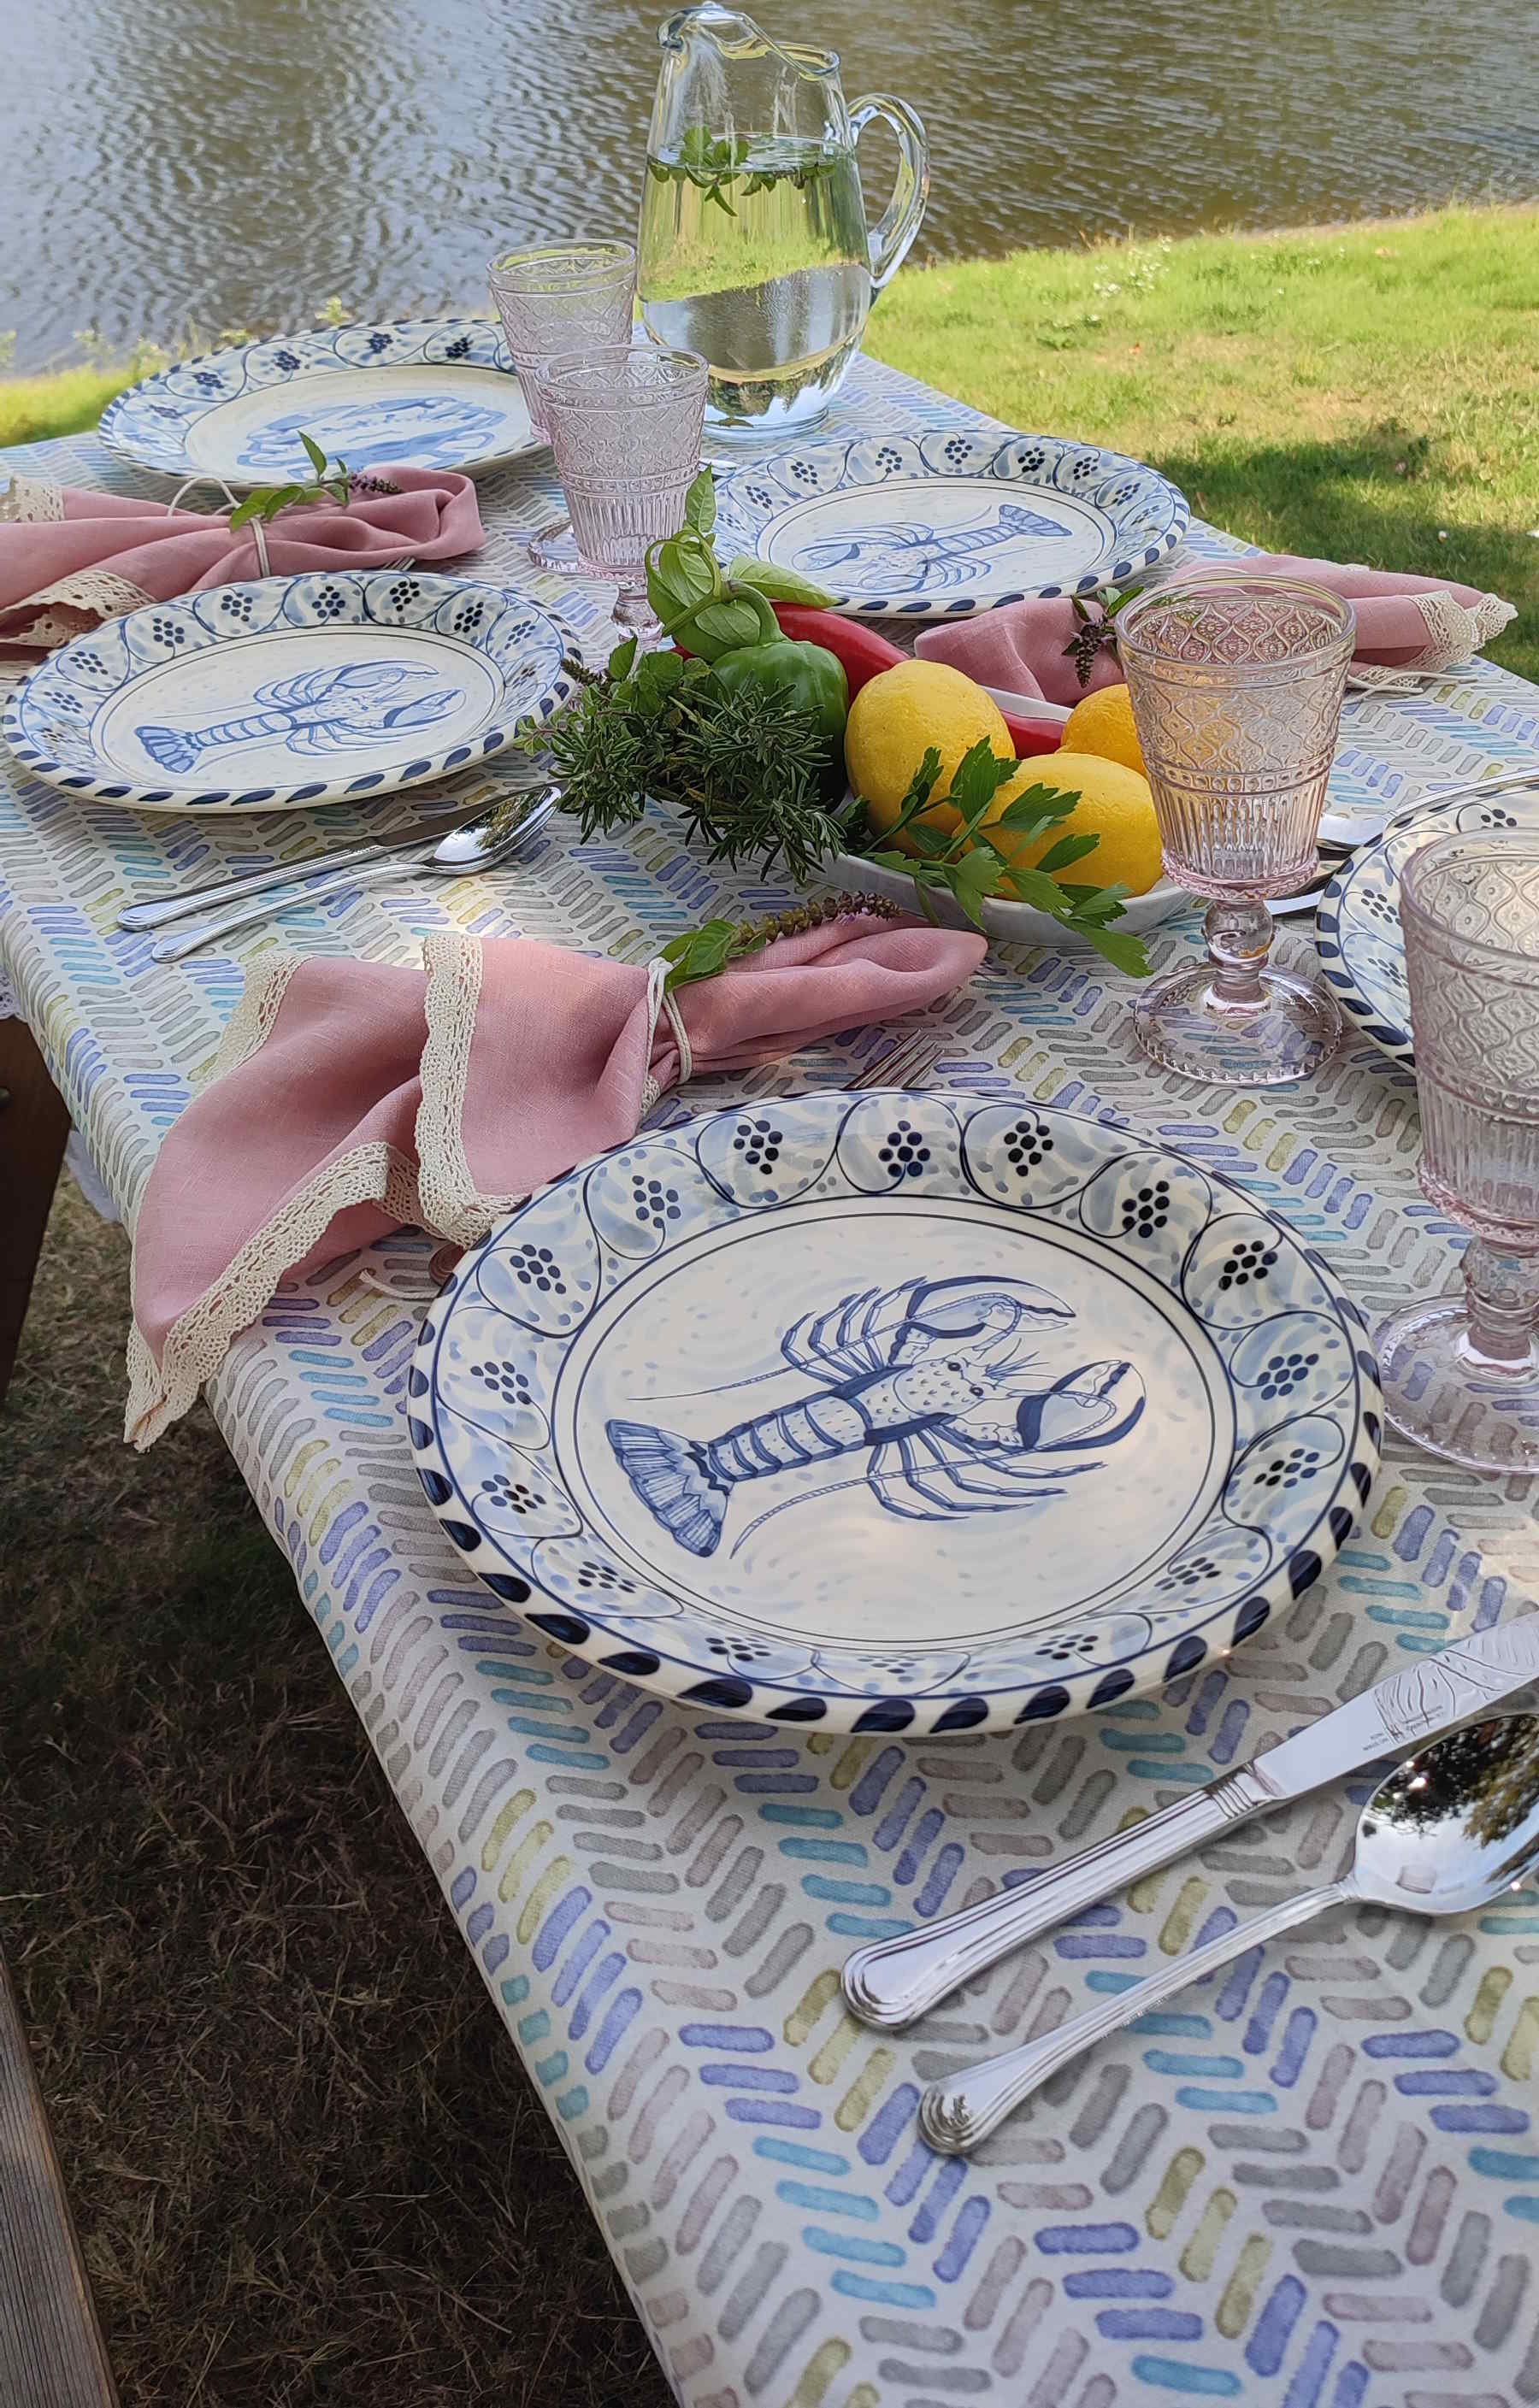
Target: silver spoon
<point x="461" y="853"/>
<point x="1449" y="1830"/>
<point x="462" y="802"/>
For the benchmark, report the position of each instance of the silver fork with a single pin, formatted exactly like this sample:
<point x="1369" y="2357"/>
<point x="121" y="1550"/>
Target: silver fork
<point x="905" y="1062"/>
<point x="466" y="802"/>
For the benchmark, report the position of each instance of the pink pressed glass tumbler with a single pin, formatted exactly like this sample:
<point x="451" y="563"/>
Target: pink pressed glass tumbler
<point x="625" y="424"/>
<point x="1460" y="1371"/>
<point x="1236" y="684"/>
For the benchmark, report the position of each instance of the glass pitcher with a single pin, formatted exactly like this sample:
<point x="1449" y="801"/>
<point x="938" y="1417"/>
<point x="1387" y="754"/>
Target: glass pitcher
<point x="754" y="248"/>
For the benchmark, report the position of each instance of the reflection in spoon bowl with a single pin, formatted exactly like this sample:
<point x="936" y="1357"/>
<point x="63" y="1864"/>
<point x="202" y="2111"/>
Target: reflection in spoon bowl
<point x="1446" y="1832"/>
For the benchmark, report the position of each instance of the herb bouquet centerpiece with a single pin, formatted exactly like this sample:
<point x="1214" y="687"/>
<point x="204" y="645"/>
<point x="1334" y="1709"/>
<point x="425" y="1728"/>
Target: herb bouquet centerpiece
<point x="739" y="729"/>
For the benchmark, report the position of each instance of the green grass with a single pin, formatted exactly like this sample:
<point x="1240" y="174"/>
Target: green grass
<point x="34" y="407"/>
<point x="1364" y="392"/>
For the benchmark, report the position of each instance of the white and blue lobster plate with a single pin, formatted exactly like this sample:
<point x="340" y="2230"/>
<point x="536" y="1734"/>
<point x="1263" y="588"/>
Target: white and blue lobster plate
<point x="942" y="525"/>
<point x="895" y="1413"/>
<point x="1357" y="925"/>
<point x="291" y="692"/>
<point x="425" y="392"/>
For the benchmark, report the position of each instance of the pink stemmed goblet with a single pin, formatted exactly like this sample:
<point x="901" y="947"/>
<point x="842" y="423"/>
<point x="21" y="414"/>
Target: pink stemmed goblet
<point x="554" y="298"/>
<point x="625" y="424"/>
<point x="1460" y="1371"/>
<point x="1236" y="683"/>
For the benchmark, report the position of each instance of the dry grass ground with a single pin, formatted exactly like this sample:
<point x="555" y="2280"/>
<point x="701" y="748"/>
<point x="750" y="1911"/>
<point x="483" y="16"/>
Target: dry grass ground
<point x="304" y="2157"/>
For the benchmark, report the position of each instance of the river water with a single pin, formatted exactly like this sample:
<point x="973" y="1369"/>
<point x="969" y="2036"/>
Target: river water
<point x="236" y="162"/>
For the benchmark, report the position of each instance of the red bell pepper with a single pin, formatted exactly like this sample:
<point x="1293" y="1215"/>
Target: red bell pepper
<point x="864" y="654"/>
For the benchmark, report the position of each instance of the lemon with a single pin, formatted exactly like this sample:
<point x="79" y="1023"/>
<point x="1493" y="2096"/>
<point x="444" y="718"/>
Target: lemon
<point x="1103" y="723"/>
<point x="897" y="717"/>
<point x="1115" y="805"/>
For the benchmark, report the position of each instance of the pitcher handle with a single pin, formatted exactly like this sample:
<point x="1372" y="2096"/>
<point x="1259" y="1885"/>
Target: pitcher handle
<point x="899" y="223"/>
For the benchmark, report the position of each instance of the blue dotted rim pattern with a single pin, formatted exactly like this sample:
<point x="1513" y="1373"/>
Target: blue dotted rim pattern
<point x="1152" y="514"/>
<point x="150" y="422"/>
<point x="48" y="722"/>
<point x="1376" y="869"/>
<point x="635" y="1647"/>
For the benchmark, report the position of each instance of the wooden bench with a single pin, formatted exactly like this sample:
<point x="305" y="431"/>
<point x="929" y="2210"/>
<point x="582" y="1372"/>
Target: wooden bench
<point x="51" y="2353"/>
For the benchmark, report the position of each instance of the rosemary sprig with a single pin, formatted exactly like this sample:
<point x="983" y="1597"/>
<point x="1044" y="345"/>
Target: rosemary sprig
<point x="329" y="485"/>
<point x="976" y="861"/>
<point x="747" y="769"/>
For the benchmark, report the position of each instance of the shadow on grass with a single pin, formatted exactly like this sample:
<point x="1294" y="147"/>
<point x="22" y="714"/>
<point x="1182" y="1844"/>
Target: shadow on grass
<point x="305" y="2159"/>
<point x="1348" y="501"/>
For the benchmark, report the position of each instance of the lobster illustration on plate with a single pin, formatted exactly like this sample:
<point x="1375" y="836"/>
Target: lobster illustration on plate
<point x="942" y="1383"/>
<point x="908" y="558"/>
<point x="326" y="711"/>
<point x="427" y="430"/>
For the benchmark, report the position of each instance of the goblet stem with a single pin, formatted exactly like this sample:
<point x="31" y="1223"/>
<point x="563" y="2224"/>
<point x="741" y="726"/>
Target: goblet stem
<point x="1502" y="1292"/>
<point x="634" y="610"/>
<point x="1239" y="938"/>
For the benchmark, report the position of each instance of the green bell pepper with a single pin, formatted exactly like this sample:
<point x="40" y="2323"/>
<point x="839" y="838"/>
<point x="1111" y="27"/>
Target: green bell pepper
<point x="809" y="673"/>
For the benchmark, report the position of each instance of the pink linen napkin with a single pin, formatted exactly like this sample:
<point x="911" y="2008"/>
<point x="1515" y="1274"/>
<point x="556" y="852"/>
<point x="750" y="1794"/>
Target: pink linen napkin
<point x="1407" y="626"/>
<point x="70" y="557"/>
<point x="351" y="1098"/>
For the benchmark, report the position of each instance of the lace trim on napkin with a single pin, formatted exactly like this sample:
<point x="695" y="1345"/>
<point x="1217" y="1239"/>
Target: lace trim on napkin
<point x="1456" y="631"/>
<point x="32" y="501"/>
<point x="452" y="1205"/>
<point x="250" y="1023"/>
<point x="70" y="606"/>
<point x="196" y="1345"/>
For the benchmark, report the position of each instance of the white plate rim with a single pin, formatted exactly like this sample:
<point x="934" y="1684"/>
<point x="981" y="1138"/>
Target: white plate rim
<point x="1072" y="1690"/>
<point x="1423" y="820"/>
<point x="949" y="453"/>
<point x="173" y="399"/>
<point x="432" y="589"/>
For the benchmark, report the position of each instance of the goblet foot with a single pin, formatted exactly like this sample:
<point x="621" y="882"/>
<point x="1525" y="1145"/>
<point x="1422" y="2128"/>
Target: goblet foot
<point x="1456" y="1401"/>
<point x="555" y="552"/>
<point x="1282" y="1028"/>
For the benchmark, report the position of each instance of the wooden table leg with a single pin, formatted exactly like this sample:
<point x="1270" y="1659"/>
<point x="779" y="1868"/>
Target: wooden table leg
<point x="34" y="1125"/>
<point x="52" y="2354"/>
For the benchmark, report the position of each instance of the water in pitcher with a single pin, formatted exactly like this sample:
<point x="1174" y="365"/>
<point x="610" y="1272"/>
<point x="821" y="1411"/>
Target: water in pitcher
<point x="753" y="254"/>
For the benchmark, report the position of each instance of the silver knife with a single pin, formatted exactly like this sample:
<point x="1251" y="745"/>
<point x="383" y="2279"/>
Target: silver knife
<point x="891" y="1982"/>
<point x="467" y="801"/>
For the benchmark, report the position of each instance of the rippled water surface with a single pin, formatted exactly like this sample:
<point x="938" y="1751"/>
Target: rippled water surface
<point x="236" y="162"/>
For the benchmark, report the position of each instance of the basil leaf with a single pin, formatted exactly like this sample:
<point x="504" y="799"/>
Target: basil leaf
<point x="778" y="585"/>
<point x="700" y="503"/>
<point x="622" y="659"/>
<point x="317" y="457"/>
<point x="720" y="627"/>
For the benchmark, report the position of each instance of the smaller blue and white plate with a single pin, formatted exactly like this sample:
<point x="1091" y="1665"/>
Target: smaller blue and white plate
<point x="940" y="525"/>
<point x="291" y="692"/>
<point x="1356" y="926"/>
<point x="425" y="392"/>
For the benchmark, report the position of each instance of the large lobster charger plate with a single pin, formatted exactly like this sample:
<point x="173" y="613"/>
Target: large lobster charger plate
<point x="903" y="1412"/>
